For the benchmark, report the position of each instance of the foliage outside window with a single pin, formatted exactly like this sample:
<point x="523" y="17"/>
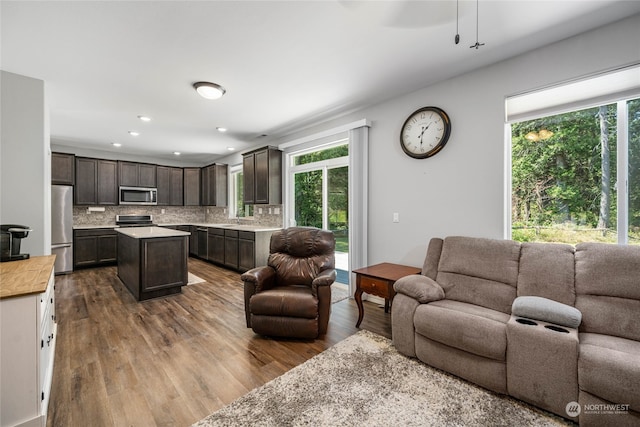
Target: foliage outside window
<point x="309" y="188"/>
<point x="239" y="209"/>
<point x="564" y="176"/>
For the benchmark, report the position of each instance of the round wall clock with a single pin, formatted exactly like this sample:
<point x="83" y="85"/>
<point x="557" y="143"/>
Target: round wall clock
<point x="425" y="132"/>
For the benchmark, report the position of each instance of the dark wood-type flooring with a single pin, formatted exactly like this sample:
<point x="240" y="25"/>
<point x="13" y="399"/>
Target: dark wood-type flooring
<point x="169" y="361"/>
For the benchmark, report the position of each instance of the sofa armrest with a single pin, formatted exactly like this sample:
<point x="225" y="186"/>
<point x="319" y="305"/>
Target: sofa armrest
<point x="420" y="288"/>
<point x="547" y="310"/>
<point x="325" y="278"/>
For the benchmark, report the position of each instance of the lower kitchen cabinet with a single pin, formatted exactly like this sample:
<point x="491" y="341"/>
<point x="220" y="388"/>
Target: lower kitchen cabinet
<point x="216" y="245"/>
<point x="27" y="343"/>
<point x="193" y="241"/>
<point x="246" y="250"/>
<point x="231" y="249"/>
<point x="94" y="247"/>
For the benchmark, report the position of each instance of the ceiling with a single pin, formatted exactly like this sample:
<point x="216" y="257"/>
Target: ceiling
<point x="285" y="64"/>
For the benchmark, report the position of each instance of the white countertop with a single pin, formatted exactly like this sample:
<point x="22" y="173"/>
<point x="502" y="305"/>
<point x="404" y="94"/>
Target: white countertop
<point x="231" y="226"/>
<point x="150" y="232"/>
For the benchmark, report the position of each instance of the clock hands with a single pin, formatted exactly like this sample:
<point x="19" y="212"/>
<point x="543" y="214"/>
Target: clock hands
<point x="423" y="131"/>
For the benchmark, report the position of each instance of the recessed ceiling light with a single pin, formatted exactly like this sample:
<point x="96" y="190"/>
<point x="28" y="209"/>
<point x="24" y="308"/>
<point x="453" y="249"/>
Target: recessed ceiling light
<point x="231" y="149"/>
<point x="134" y="133"/>
<point x="177" y="153"/>
<point x="145" y="118"/>
<point x="221" y="129"/>
<point x="209" y="90"/>
<point x="116" y="144"/>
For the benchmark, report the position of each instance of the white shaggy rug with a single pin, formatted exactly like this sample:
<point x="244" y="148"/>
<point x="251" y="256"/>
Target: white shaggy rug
<point x="364" y="381"/>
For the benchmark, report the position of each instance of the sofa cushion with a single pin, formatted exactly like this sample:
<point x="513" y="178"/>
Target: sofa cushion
<point x="480" y="271"/>
<point x="419" y="287"/>
<point x="546" y="310"/>
<point x="547" y="270"/>
<point x="464" y="326"/>
<point x="608" y="289"/>
<point x="609" y="367"/>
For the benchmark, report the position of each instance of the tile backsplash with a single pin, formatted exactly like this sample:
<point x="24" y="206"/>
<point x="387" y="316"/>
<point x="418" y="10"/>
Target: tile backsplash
<point x="178" y="215"/>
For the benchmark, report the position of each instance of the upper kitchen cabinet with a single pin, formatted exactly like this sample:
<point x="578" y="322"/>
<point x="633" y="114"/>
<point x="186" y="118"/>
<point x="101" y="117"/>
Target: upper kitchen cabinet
<point x="62" y="168"/>
<point x="137" y="174"/>
<point x="170" y="186"/>
<point x="262" y="170"/>
<point x="96" y="182"/>
<point x="214" y="185"/>
<point x="192" y="186"/>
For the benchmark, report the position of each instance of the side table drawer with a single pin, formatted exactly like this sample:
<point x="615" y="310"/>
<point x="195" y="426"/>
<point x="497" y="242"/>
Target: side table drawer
<point x="375" y="286"/>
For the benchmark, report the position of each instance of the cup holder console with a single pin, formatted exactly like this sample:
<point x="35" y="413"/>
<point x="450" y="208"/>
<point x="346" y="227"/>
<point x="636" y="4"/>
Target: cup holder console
<point x="526" y="322"/>
<point x="556" y="328"/>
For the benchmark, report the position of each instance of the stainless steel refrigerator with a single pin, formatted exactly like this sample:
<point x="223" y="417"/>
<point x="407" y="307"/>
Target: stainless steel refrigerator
<point x="62" y="227"/>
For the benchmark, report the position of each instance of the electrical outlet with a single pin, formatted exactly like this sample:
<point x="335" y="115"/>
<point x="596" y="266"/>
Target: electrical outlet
<point x="396" y="217"/>
<point x="161" y="211"/>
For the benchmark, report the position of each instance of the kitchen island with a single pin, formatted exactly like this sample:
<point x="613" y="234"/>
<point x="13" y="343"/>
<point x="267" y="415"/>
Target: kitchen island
<point x="152" y="261"/>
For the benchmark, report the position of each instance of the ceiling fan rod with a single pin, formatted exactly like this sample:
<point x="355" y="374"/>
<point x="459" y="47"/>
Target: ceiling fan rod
<point x="477" y="45"/>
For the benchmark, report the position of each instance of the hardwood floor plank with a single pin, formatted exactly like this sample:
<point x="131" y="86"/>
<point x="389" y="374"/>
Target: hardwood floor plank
<point x="169" y="361"/>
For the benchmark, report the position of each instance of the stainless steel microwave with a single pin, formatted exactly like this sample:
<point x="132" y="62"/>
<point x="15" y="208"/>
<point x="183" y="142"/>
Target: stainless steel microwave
<point x="138" y="196"/>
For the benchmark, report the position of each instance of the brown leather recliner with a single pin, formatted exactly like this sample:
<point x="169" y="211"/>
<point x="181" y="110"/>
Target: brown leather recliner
<point x="291" y="296"/>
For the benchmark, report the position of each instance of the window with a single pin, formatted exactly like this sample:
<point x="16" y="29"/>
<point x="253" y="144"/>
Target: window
<point x="237" y="208"/>
<point x="575" y="176"/>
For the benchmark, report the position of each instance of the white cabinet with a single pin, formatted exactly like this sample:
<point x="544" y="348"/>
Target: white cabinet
<point x="27" y="347"/>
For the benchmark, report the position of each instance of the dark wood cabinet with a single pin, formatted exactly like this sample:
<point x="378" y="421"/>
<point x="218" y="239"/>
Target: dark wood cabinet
<point x="170" y="186"/>
<point x="262" y="172"/>
<point x="246" y="250"/>
<point x="216" y="245"/>
<point x="94" y="247"/>
<point x="193" y="241"/>
<point x="191" y="187"/>
<point x="107" y="184"/>
<point x="231" y="249"/>
<point x="63" y="168"/>
<point x="214" y="185"/>
<point x="96" y="182"/>
<point x="133" y="174"/>
<point x="86" y="191"/>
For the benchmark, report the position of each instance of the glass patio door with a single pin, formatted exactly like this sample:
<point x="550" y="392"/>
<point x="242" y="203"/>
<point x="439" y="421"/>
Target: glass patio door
<point x="321" y="199"/>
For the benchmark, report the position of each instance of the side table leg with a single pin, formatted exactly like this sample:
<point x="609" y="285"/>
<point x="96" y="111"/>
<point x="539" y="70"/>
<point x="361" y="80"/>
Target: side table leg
<point x="358" y="297"/>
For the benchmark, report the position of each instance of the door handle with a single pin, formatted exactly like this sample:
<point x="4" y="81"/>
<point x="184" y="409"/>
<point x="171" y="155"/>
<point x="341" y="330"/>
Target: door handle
<point x="62" y="245"/>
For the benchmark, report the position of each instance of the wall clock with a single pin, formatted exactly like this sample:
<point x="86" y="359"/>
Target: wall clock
<point x="425" y="132"/>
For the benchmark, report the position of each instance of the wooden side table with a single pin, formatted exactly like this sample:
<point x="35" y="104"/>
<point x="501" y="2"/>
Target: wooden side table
<point x="378" y="280"/>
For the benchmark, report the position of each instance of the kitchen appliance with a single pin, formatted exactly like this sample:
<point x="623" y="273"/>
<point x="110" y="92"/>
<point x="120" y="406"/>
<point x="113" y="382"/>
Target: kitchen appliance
<point x="134" y="220"/>
<point x="12" y="235"/>
<point x="62" y="228"/>
<point x="138" y="196"/>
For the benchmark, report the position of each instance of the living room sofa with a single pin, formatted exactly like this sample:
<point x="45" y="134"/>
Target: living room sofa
<point x="550" y="324"/>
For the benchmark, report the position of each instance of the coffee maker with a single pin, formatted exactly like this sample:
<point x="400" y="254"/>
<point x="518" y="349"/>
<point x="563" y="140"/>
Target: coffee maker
<point x="11" y="236"/>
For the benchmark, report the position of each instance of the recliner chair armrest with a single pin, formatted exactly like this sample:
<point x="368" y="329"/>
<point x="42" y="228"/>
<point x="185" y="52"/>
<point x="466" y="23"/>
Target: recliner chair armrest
<point x="420" y="288"/>
<point x="325" y="278"/>
<point x="262" y="278"/>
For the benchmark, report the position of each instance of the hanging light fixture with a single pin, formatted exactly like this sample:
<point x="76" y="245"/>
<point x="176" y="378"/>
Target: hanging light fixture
<point x="209" y="90"/>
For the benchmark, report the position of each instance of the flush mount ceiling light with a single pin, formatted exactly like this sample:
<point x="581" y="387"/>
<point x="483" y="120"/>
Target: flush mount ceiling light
<point x="116" y="144"/>
<point x="176" y="153"/>
<point x="134" y="133"/>
<point x="145" y="118"/>
<point x="221" y="129"/>
<point x="209" y="90"/>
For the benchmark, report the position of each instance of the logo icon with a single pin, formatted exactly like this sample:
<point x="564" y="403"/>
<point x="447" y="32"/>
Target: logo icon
<point x="572" y="409"/>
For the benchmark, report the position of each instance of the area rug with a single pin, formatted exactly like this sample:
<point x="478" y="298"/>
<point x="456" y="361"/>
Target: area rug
<point x="193" y="279"/>
<point x="364" y="381"/>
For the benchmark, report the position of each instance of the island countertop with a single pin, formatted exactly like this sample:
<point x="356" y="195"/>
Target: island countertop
<point x="150" y="232"/>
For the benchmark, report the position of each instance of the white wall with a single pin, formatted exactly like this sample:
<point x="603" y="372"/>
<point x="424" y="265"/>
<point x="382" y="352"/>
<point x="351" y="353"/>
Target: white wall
<point x="25" y="174"/>
<point x="461" y="191"/>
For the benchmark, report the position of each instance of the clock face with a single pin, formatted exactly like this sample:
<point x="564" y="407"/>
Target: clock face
<point x="425" y="132"/>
